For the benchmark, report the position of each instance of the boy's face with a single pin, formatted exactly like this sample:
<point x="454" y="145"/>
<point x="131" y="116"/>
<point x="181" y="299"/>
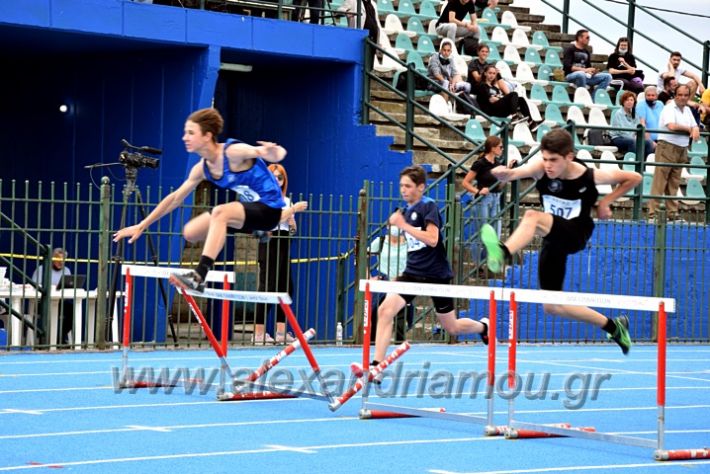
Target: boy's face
<point x="193" y="138"/>
<point x="555" y="164"/>
<point x="411" y="193"/>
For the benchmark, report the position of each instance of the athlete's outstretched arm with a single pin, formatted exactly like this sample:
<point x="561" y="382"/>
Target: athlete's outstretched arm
<point x="269" y="151"/>
<point x="624" y="181"/>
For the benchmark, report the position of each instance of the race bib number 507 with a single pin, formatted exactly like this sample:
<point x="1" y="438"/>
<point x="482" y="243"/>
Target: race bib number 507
<point x="565" y="208"/>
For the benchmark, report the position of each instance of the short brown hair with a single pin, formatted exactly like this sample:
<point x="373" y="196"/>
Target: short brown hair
<point x="416" y="173"/>
<point x="557" y="141"/>
<point x="209" y="120"/>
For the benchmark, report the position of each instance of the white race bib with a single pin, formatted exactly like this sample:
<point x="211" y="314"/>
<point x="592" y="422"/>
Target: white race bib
<point x="246" y="193"/>
<point x="565" y="208"/>
<point x="413" y="244"/>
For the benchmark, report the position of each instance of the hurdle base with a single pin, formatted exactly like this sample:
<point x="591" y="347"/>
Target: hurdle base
<point x="382" y="414"/>
<point x="681" y="454"/>
<point x="516" y="433"/>
<point x="492" y="430"/>
<point x="246" y="396"/>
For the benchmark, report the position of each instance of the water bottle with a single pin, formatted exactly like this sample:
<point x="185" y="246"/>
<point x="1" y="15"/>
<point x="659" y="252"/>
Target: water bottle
<point x="339" y="334"/>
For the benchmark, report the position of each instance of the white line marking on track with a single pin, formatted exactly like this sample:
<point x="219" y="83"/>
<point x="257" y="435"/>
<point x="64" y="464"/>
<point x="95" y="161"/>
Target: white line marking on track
<point x="251" y="451"/>
<point x="291" y="449"/>
<point x="690" y="464"/>
<point x="149" y="428"/>
<point x="233" y="424"/>
<point x="24" y="412"/>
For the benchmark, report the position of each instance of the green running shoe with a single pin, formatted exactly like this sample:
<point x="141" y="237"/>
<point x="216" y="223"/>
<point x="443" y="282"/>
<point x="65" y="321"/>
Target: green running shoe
<point x="492" y="244"/>
<point x="621" y="335"/>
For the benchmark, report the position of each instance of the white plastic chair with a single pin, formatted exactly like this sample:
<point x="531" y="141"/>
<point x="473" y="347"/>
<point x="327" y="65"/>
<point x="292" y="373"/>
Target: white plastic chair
<point x="504" y="70"/>
<point x="522" y="133"/>
<point x="575" y="114"/>
<point x="440" y="107"/>
<point x="520" y="39"/>
<point x="534" y="111"/>
<point x="384" y="42"/>
<point x="388" y="64"/>
<point x="585" y="155"/>
<point x="499" y="35"/>
<point x="596" y="117"/>
<point x="511" y="55"/>
<point x="524" y="74"/>
<point x="508" y="18"/>
<point x="514" y="155"/>
<point x="393" y="26"/>
<point x="582" y="96"/>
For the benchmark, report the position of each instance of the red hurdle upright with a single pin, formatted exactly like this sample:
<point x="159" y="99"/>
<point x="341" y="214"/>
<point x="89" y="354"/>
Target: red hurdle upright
<point x="662" y="454"/>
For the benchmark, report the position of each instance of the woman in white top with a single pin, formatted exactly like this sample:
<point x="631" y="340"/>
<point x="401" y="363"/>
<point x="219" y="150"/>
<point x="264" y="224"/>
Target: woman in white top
<point x="274" y="259"/>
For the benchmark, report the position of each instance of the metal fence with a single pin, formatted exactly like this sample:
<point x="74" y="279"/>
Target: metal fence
<point x="328" y="255"/>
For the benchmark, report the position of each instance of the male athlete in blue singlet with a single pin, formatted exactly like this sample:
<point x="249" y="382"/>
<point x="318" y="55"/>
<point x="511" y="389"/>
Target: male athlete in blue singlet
<point x="568" y="193"/>
<point x="231" y="165"/>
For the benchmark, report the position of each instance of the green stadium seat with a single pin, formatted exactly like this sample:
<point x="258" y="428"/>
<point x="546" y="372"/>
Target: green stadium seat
<point x="474" y="131"/>
<point x="552" y="58"/>
<point x="540" y="39"/>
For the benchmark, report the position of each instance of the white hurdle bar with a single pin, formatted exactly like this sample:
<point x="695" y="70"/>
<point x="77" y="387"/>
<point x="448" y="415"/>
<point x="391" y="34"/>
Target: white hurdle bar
<point x="456" y="291"/>
<point x="283" y="299"/>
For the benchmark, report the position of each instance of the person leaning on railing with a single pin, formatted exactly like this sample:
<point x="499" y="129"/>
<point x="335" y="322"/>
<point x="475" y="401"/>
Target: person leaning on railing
<point x="672" y="148"/>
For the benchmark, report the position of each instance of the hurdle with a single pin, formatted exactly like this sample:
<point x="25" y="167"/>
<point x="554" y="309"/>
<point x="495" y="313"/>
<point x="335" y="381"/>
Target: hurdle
<point x="380" y="410"/>
<point x="525" y="430"/>
<point x="221" y="348"/>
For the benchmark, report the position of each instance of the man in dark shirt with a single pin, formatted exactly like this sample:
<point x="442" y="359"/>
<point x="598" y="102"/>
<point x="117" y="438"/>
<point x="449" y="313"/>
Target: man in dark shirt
<point x="670" y="84"/>
<point x="577" y="64"/>
<point x="452" y="25"/>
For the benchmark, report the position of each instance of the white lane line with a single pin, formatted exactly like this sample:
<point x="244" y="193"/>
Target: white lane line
<point x="415" y="381"/>
<point x="60" y="389"/>
<point x="234" y="424"/>
<point x="238" y="424"/>
<point x="292" y="449"/>
<point x="7" y="411"/>
<point x="252" y="451"/>
<point x="149" y="428"/>
<point x="644" y="466"/>
<point x="23" y="412"/>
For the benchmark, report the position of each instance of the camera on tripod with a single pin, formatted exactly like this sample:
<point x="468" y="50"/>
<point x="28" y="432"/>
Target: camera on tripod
<point x="133" y="156"/>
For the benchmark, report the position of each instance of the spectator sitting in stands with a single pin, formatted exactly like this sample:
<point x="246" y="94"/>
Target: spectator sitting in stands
<point x="622" y="66"/>
<point x="670" y="84"/>
<point x="625" y="117"/>
<point x="496" y="100"/>
<point x="442" y="70"/>
<point x="577" y="64"/>
<point x="451" y="23"/>
<point x="476" y="66"/>
<point x="676" y="70"/>
<point x="649" y="112"/>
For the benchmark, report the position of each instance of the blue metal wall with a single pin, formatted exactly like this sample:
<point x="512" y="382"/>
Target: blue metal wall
<point x="135" y="71"/>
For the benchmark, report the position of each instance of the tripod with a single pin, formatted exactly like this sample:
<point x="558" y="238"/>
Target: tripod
<point x="130" y="189"/>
